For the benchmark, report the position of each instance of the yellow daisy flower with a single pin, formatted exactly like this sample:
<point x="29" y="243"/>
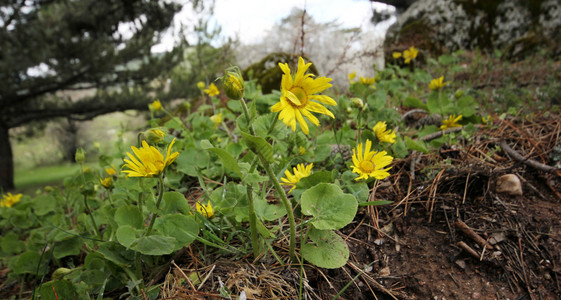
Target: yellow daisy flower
<point x="155" y="106"/>
<point x="216" y="120"/>
<point x="367" y="80"/>
<point x="370" y="163"/>
<point x="8" y="200"/>
<point x="149" y="162"/>
<point x="352" y="76"/>
<point x="396" y="55"/>
<point x="451" y="122"/>
<point x="300" y="171"/>
<point x="438" y="83"/>
<point x="383" y="135"/>
<point x="295" y="102"/>
<point x="410" y="54"/>
<point x="205" y="210"/>
<point x="212" y="90"/>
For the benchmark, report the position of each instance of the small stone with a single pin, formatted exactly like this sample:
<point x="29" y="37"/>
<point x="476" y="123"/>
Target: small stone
<point x="476" y="295"/>
<point x="461" y="264"/>
<point x="385" y="271"/>
<point x="509" y="184"/>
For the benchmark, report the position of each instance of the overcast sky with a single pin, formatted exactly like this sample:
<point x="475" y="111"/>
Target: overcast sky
<point x="249" y="20"/>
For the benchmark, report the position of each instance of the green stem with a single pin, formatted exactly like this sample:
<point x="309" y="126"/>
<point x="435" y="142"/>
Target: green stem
<point x="160" y="197"/>
<point x="91" y="217"/>
<point x="246" y="114"/>
<point x="287" y="205"/>
<point x="86" y="204"/>
<point x="359" y="125"/>
<point x="252" y="222"/>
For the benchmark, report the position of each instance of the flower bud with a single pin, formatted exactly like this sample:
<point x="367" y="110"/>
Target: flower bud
<point x="201" y="85"/>
<point x="60" y="273"/>
<point x="80" y="156"/>
<point x="357" y="102"/>
<point x="154" y="136"/>
<point x="458" y="94"/>
<point x="106" y="182"/>
<point x="155" y="106"/>
<point x="233" y="83"/>
<point x="216" y="119"/>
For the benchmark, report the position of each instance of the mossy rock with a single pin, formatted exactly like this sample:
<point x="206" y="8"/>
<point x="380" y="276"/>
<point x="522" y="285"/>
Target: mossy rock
<point x="440" y="26"/>
<point x="269" y="74"/>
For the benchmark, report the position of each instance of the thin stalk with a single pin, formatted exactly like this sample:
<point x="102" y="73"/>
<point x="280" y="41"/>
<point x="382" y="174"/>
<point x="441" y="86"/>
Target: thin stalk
<point x="285" y="201"/>
<point x="160" y="197"/>
<point x="246" y="114"/>
<point x="252" y="222"/>
<point x="249" y="190"/>
<point x="87" y="206"/>
<point x="359" y="126"/>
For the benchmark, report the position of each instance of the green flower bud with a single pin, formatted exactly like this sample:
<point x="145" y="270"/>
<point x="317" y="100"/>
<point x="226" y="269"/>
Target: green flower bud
<point x="458" y="94"/>
<point x="234" y="84"/>
<point x="357" y="102"/>
<point x="80" y="156"/>
<point x="60" y="273"/>
<point x="154" y="136"/>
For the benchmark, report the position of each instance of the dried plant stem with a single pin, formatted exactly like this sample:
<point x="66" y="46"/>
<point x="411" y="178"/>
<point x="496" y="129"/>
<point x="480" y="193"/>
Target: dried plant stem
<point x="530" y="162"/>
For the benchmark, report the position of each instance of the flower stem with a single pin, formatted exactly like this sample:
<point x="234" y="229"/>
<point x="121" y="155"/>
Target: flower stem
<point x="160" y="197"/>
<point x="86" y="204"/>
<point x="246" y="114"/>
<point x="287" y="205"/>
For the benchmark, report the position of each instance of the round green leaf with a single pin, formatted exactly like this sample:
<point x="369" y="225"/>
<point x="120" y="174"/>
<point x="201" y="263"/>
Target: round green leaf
<point x="181" y="227"/>
<point x="330" y="207"/>
<point x="126" y="235"/>
<point x="129" y="215"/>
<point x="175" y="202"/>
<point x="326" y="249"/>
<point x="154" y="245"/>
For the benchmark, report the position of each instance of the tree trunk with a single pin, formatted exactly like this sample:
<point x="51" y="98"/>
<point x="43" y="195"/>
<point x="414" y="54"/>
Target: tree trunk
<point x="6" y="159"/>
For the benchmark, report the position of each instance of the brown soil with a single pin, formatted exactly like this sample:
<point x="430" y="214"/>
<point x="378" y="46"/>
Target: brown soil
<point x="414" y="248"/>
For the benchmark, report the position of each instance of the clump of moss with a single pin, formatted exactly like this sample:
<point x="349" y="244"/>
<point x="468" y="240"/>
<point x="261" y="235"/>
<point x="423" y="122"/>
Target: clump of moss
<point x="268" y="73"/>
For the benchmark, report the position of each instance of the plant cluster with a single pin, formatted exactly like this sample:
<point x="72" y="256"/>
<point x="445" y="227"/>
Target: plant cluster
<point x="229" y="176"/>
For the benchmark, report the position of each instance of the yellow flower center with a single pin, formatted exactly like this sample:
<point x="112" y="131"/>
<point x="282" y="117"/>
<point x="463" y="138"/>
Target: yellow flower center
<point x="366" y="166"/>
<point x="301" y="94"/>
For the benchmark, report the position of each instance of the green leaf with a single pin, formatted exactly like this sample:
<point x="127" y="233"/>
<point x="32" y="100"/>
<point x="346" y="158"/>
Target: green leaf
<point x="190" y="159"/>
<point x="21" y="219"/>
<point x="326" y="249"/>
<point x="129" y="215"/>
<point x="27" y="263"/>
<point x="10" y="243"/>
<point x="44" y="204"/>
<point x="258" y="145"/>
<point x="126" y="235"/>
<point x="467" y="106"/>
<point x="415" y="145"/>
<point x="331" y="208"/>
<point x="115" y="253"/>
<point x="181" y="227"/>
<point x="268" y="212"/>
<point x="68" y="247"/>
<point x="375" y="203"/>
<point x="64" y="290"/>
<point x="228" y="160"/>
<point x="154" y="245"/>
<point x="414" y="102"/>
<point x="175" y="202"/>
<point x="314" y="179"/>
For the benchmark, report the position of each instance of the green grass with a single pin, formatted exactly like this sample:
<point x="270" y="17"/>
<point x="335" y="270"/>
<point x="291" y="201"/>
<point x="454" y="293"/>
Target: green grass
<point x="29" y="180"/>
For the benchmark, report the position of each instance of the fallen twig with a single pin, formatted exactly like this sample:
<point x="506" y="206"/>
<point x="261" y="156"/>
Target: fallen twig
<point x="528" y="161"/>
<point x="468" y="249"/>
<point x="472" y="234"/>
